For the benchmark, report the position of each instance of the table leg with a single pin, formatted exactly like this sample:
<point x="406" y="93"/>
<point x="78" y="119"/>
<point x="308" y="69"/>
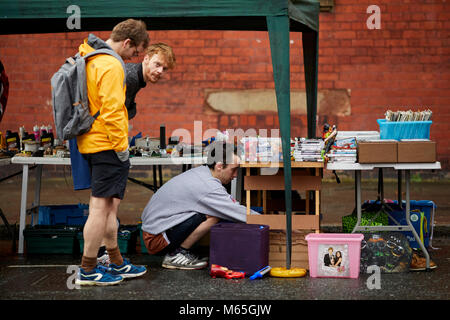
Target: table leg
<point x="408" y="221"/>
<point x="160" y="175"/>
<point x="155" y="179"/>
<point x="37" y="194"/>
<point x="307" y="199"/>
<point x="380" y="185"/>
<point x="358" y="199"/>
<point x="317" y="199"/>
<point x="23" y="207"/>
<point x="248" y="193"/>
<point x="239" y="186"/>
<point x="264" y="200"/>
<point x="399" y="187"/>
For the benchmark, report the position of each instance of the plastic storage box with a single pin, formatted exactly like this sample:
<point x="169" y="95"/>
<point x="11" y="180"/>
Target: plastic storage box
<point x="71" y="214"/>
<point x="404" y="129"/>
<point x="421" y="216"/>
<point x="334" y="255"/>
<point x="239" y="246"/>
<point x="51" y="239"/>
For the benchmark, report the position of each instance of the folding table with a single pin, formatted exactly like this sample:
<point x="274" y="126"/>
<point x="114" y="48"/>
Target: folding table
<point x="400" y="167"/>
<point x="41" y="161"/>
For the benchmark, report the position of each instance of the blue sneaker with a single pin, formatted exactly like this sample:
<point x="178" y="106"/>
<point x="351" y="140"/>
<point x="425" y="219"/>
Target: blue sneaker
<point x="127" y="270"/>
<point x="99" y="276"/>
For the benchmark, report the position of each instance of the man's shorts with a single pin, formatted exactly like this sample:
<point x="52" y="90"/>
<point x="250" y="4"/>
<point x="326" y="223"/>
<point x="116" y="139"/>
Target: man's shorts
<point x="157" y="244"/>
<point x="108" y="174"/>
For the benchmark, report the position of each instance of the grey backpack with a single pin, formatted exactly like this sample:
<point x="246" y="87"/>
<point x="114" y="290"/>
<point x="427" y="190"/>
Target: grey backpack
<point x="69" y="96"/>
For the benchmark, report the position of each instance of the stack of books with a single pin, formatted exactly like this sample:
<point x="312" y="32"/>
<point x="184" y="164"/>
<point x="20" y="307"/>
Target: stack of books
<point x="308" y="150"/>
<point x="343" y="150"/>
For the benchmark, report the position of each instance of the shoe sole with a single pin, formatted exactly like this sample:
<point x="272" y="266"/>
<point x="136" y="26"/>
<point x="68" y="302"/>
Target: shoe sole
<point x="423" y="269"/>
<point x="169" y="266"/>
<point x="97" y="283"/>
<point x="132" y="275"/>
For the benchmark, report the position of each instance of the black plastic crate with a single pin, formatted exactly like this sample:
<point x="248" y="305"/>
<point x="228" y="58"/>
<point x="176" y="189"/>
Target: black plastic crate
<point x="51" y="239"/>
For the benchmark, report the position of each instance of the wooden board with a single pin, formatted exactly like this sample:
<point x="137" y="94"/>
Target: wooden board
<point x="300" y="183"/>
<point x="278" y="222"/>
<point x="294" y="164"/>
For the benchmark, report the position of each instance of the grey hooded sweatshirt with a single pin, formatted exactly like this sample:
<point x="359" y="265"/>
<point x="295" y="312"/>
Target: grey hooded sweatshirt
<point x="194" y="191"/>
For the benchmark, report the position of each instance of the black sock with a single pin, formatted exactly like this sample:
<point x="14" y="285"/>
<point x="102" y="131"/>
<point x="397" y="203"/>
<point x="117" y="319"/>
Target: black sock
<point x="101" y="251"/>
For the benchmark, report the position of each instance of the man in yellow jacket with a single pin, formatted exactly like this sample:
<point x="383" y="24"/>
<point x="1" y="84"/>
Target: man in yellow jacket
<point x="105" y="147"/>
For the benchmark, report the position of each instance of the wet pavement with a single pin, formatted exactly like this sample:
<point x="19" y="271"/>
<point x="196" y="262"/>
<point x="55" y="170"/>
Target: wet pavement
<point x="47" y="277"/>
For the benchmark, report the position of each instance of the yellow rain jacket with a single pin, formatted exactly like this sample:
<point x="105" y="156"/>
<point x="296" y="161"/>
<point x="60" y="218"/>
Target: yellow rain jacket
<point x="106" y="92"/>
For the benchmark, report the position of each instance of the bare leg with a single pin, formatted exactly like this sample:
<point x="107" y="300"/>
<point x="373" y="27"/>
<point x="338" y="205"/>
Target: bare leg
<point x="199" y="232"/>
<point x="95" y="226"/>
<point x="110" y="236"/>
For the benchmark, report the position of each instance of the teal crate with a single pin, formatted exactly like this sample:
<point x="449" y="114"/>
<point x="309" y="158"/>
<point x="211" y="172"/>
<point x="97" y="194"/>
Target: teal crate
<point x="126" y="239"/>
<point x="41" y="239"/>
<point x="143" y="247"/>
<point x="398" y="130"/>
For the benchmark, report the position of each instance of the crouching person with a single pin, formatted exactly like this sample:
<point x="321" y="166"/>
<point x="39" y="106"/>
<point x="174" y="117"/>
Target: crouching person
<point x="185" y="208"/>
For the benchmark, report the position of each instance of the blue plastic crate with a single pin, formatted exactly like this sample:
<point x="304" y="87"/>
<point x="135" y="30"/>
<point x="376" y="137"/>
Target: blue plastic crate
<point x="397" y="130"/>
<point x="71" y="214"/>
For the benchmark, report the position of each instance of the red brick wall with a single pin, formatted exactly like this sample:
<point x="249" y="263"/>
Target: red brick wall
<point x="403" y="65"/>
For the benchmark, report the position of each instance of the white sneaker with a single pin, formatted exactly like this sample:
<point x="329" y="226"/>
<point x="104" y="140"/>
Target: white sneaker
<point x="104" y="260"/>
<point x="183" y="260"/>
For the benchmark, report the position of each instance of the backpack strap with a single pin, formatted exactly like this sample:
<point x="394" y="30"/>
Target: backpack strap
<point x="111" y="53"/>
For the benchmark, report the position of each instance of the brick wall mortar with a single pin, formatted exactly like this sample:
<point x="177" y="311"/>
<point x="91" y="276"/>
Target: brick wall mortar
<point x="403" y="65"/>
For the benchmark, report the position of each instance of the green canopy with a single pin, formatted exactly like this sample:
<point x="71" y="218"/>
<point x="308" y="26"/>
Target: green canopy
<point x="278" y="17"/>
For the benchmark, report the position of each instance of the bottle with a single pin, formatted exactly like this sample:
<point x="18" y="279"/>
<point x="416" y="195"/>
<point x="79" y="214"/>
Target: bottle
<point x="37" y="136"/>
<point x="46" y="140"/>
<point x="21" y="135"/>
<point x="12" y="141"/>
<point x="42" y="129"/>
<point x="50" y="132"/>
<point x="26" y="137"/>
<point x="2" y="142"/>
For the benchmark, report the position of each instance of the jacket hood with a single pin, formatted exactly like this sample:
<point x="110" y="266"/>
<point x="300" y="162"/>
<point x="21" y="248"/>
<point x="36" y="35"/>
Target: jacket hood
<point x="92" y="43"/>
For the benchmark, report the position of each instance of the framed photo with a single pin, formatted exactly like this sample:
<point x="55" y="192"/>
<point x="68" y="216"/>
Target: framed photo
<point x="333" y="260"/>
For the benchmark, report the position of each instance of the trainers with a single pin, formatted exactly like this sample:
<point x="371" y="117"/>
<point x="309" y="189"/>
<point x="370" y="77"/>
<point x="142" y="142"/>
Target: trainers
<point x="99" y="276"/>
<point x="420" y="263"/>
<point x="104" y="260"/>
<point x="184" y="260"/>
<point x="127" y="270"/>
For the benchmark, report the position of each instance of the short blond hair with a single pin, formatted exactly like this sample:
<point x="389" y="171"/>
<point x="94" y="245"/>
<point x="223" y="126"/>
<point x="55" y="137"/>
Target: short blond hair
<point x="135" y="30"/>
<point x="165" y="50"/>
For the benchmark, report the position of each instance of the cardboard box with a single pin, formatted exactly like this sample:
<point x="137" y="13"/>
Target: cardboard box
<point x="381" y="151"/>
<point x="299" y="249"/>
<point x="416" y="151"/>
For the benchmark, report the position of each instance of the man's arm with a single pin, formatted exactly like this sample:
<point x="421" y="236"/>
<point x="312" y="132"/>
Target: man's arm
<point x="220" y="204"/>
<point x="133" y="86"/>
